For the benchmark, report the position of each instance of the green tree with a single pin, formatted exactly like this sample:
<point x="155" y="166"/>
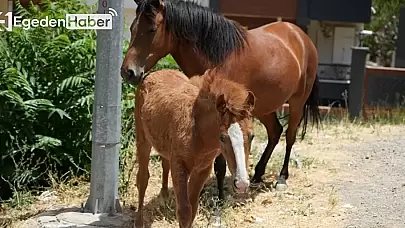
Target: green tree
<point x="385" y="25"/>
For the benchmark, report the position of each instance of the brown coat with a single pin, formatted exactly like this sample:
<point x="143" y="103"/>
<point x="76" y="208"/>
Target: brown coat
<point x="187" y="122"/>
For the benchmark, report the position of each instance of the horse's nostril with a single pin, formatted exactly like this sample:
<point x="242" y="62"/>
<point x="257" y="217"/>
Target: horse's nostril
<point x="234" y="183"/>
<point x="131" y="73"/>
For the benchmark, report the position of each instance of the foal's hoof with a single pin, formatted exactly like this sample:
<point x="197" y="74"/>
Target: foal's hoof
<point x="164" y="193"/>
<point x="138" y="224"/>
<point x="281" y="185"/>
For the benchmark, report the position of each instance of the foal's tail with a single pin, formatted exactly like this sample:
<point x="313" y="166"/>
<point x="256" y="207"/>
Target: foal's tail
<point x="312" y="108"/>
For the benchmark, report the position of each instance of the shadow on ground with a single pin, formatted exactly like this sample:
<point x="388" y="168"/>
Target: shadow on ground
<point x="156" y="209"/>
<point x="73" y="216"/>
<point x="159" y="208"/>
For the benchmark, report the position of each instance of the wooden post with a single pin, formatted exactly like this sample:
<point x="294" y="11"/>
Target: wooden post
<point x="356" y="87"/>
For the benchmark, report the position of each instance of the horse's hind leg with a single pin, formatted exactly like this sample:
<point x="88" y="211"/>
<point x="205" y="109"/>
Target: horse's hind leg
<point x="164" y="192"/>
<point x="296" y="109"/>
<point x="274" y="130"/>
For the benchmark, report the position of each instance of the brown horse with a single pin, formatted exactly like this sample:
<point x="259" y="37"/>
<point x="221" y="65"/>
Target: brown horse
<point x="278" y="62"/>
<point x="190" y="124"/>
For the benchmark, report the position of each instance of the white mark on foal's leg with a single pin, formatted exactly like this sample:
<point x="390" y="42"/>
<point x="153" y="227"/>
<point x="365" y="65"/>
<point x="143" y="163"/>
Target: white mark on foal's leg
<point x="236" y="135"/>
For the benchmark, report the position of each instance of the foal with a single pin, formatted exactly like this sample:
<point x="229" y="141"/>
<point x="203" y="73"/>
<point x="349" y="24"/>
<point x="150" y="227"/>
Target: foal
<point x="189" y="124"/>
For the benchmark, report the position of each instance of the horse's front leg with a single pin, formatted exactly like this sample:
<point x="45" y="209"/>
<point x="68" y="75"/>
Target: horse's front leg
<point x="220" y="171"/>
<point x="180" y="177"/>
<point x="195" y="186"/>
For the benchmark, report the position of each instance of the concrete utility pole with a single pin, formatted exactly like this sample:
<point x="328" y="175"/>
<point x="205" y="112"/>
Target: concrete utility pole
<point x="106" y="131"/>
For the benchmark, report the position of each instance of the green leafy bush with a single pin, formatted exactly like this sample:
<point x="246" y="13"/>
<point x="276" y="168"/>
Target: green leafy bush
<point x="46" y="98"/>
<point x="46" y="95"/>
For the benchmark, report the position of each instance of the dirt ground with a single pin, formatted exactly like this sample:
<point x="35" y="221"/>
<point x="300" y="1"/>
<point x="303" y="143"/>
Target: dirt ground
<point x="351" y="176"/>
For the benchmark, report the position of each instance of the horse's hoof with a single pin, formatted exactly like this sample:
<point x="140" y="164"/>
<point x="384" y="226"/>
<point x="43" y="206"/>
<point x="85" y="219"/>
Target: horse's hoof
<point x="216" y="219"/>
<point x="281" y="185"/>
<point x="256" y="181"/>
<point x="255" y="185"/>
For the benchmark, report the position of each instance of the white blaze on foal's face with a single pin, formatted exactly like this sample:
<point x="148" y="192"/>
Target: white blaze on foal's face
<point x="241" y="178"/>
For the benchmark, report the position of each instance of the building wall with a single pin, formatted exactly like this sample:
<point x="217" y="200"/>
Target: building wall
<point x="259" y="8"/>
<point x="333" y="42"/>
<point x="4" y="9"/>
<point x="129" y="16"/>
<point x="339" y="10"/>
<point x="130" y="13"/>
<point x="127" y="3"/>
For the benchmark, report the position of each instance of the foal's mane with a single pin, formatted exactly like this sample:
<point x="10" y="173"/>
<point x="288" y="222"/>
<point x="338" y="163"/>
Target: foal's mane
<point x="208" y="32"/>
<point x="212" y="86"/>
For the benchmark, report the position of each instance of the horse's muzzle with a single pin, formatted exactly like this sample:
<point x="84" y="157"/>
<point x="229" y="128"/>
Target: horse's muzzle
<point x="132" y="77"/>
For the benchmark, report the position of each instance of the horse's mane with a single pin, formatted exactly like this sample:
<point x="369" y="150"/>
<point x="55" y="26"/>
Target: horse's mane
<point x="210" y="33"/>
<point x="211" y="86"/>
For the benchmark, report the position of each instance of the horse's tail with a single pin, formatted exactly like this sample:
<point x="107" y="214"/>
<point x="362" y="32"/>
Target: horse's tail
<point x="312" y="108"/>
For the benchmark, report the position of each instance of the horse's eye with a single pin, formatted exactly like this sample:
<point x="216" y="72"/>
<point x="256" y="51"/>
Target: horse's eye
<point x="222" y="138"/>
<point x="152" y="30"/>
<point x="251" y="136"/>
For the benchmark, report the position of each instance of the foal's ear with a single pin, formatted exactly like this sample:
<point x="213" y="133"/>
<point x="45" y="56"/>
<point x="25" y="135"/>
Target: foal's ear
<point x="221" y="103"/>
<point x="250" y="101"/>
<point x="158" y="4"/>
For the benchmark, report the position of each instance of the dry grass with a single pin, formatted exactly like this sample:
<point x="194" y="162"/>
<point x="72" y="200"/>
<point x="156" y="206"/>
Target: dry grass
<point x="310" y="201"/>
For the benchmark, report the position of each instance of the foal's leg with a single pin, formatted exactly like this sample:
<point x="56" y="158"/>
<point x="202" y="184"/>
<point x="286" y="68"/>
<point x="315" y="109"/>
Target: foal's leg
<point x="164" y="192"/>
<point x="142" y="177"/>
<point x="296" y="111"/>
<point x="195" y="185"/>
<point x="220" y="171"/>
<point x="180" y="177"/>
<point x="274" y="130"/>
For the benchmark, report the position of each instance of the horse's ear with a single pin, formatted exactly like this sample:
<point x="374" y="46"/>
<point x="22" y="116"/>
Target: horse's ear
<point x="221" y="103"/>
<point x="158" y="4"/>
<point x="137" y="2"/>
<point x="250" y="101"/>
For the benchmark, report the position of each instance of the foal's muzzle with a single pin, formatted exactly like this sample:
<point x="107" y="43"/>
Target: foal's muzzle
<point x="241" y="186"/>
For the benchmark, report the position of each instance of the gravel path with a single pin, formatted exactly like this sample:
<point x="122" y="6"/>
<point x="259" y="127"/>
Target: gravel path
<point x="375" y="183"/>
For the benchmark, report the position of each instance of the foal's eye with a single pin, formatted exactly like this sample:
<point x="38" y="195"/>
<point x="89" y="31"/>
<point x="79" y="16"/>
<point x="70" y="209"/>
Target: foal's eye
<point x="222" y="138"/>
